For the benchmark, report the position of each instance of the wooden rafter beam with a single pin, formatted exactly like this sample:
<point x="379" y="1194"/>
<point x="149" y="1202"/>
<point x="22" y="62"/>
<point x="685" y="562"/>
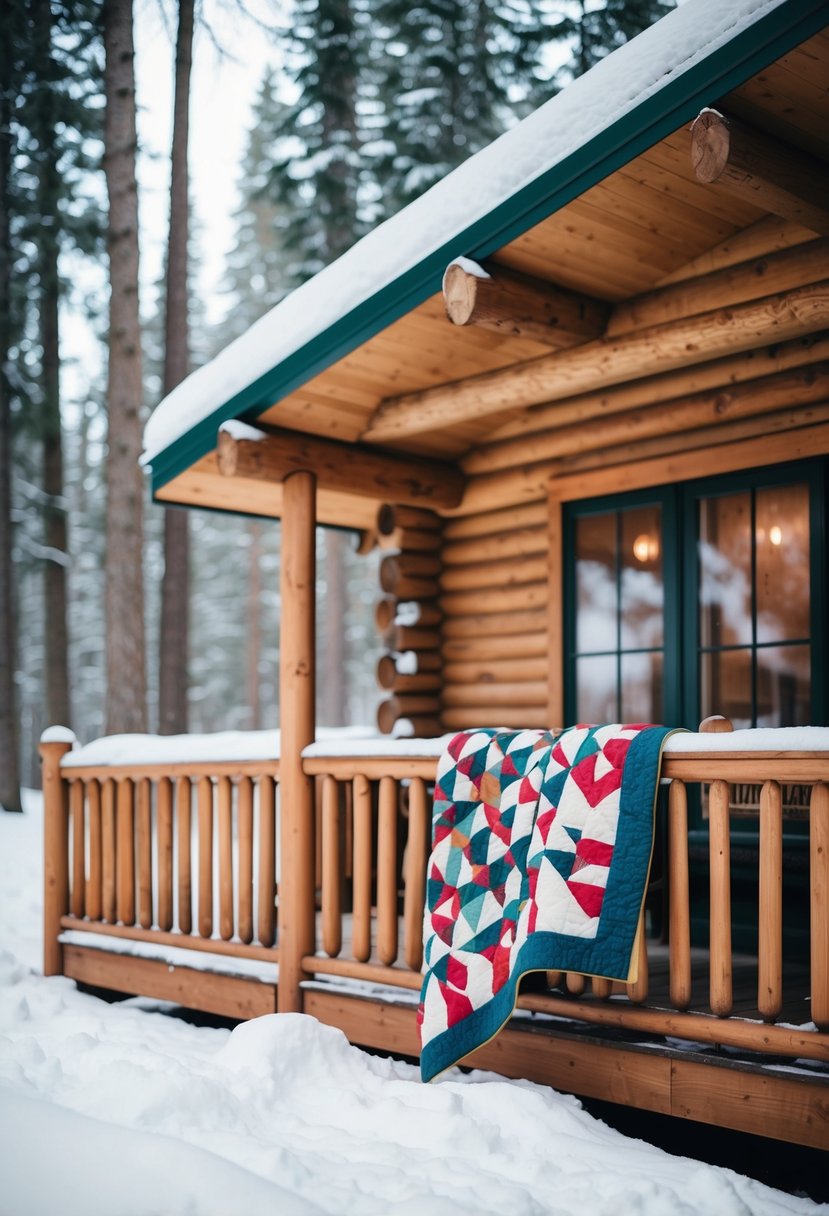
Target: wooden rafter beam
<point x="761" y="170"/>
<point x="607" y="361"/>
<point x="520" y="306"/>
<point x="347" y="468"/>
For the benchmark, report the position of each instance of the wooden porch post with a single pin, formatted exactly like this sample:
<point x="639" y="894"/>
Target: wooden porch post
<point x="55" y="852"/>
<point x="297" y="719"/>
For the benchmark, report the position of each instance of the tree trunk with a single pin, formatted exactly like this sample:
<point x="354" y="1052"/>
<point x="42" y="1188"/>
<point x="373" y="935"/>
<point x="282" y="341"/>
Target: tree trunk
<point x="56" y="642"/>
<point x="254" y="629"/>
<point x="175" y="587"/>
<point x="334" y="688"/>
<point x="9" y="752"/>
<point x="124" y="601"/>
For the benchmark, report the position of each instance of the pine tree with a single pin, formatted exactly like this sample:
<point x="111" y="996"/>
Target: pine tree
<point x="453" y="76"/>
<point x="318" y="179"/>
<point x="596" y="30"/>
<point x="175" y="587"/>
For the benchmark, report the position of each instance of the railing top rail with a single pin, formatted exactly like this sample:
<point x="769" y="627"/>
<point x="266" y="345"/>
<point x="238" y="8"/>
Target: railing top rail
<point x="194" y="769"/>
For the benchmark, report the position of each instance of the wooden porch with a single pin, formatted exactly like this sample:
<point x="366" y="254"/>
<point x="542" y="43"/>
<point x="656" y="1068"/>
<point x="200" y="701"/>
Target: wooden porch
<point x="184" y="857"/>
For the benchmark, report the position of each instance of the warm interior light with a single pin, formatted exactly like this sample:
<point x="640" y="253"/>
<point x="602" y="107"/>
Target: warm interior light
<point x="645" y="548"/>
<point x="776" y="534"/>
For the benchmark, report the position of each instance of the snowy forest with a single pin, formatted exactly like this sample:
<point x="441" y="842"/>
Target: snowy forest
<point x="116" y="615"/>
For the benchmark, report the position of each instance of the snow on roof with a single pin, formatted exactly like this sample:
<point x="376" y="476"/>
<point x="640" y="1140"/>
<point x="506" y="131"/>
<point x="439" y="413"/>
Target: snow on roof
<point x="614" y="87"/>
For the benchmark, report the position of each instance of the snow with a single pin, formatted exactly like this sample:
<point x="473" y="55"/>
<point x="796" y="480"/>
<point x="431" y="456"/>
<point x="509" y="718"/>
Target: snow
<point x="613" y="88"/>
<point x="57" y="734"/>
<point x="241" y="430"/>
<point x="124" y="1110"/>
<point x="175" y="956"/>
<point x="469" y="266"/>
<point x="764" y="739"/>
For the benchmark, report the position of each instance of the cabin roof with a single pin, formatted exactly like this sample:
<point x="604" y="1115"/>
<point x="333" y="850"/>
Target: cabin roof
<point x="591" y="193"/>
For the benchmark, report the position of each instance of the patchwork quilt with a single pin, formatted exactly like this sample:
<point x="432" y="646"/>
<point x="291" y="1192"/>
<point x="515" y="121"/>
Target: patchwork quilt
<point x="541" y="849"/>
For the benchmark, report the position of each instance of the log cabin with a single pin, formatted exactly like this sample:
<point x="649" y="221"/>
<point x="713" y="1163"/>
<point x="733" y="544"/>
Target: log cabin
<point x="578" y="394"/>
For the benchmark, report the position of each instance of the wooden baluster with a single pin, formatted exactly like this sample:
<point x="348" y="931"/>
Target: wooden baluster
<point x="819" y="902"/>
<point x="554" y="978"/>
<point x="679" y="896"/>
<point x="575" y="983"/>
<point x="602" y="988"/>
<point x="416" y="860"/>
<point x="76" y="808"/>
<point x="770" y="927"/>
<point x="225" y="816"/>
<point x="387" y="872"/>
<point x="164" y="837"/>
<point x="125" y="852"/>
<point x="361" y="943"/>
<point x="245" y="829"/>
<point x="720" y="899"/>
<point x="108" y="850"/>
<point x="93" y="882"/>
<point x="332" y="920"/>
<point x="185" y="865"/>
<point x="638" y="990"/>
<point x="145" y="854"/>
<point x="267" y="861"/>
<point x="204" y="801"/>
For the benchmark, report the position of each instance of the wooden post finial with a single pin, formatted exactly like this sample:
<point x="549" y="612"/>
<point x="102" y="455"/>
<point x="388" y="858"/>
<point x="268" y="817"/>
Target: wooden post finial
<point x="716" y="724"/>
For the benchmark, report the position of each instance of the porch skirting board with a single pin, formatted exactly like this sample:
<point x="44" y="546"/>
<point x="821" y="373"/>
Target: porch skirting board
<point x="742" y="1096"/>
<point x="763" y="1099"/>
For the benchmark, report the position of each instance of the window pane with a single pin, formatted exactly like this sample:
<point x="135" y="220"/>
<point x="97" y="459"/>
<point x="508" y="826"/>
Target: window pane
<point x="782" y="532"/>
<point x="725" y="685"/>
<point x="783" y="686"/>
<point x="596" y="606"/>
<point x="725" y="571"/>
<point x="596" y="689"/>
<point x="642" y="583"/>
<point x="642" y="687"/>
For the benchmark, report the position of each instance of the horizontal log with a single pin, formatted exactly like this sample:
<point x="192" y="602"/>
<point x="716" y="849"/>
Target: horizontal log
<point x="494" y="671"/>
<point x="761" y="170"/>
<point x="517" y="717"/>
<point x="796" y="444"/>
<point x="488" y="523"/>
<point x="524" y="542"/>
<point x="494" y="489"/>
<point x="500" y="599"/>
<point x="392" y="515"/>
<point x="409" y="588"/>
<point x="483" y="624"/>
<point x="392" y="680"/>
<point x="489" y="650"/>
<point x="759" y="239"/>
<point x="411" y="540"/>
<point x="508" y="572"/>
<point x="346" y="768"/>
<point x="347" y="468"/>
<point x="603" y="362"/>
<point x="516" y="305"/>
<point x="410" y="637"/>
<point x="385" y="610"/>
<point x="753" y="397"/>
<point x="411" y="707"/>
<point x="760" y="276"/>
<point x="420" y="613"/>
<point x="660" y="389"/>
<point x="408" y="565"/>
<point x="520" y="693"/>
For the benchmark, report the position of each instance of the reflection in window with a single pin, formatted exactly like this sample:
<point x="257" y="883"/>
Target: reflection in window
<point x="754" y="606"/>
<point x="619" y="626"/>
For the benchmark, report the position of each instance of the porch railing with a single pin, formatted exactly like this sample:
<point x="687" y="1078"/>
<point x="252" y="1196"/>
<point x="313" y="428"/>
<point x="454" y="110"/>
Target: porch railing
<point x="122" y="858"/>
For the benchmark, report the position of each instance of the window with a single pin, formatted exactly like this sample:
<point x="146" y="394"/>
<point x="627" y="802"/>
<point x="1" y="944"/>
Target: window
<point x="701" y="598"/>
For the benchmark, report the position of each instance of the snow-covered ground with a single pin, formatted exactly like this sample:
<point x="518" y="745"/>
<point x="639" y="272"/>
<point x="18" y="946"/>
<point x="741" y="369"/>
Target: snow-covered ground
<point x="123" y="1110"/>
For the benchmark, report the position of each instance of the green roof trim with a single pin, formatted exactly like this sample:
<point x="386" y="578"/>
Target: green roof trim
<point x="679" y="100"/>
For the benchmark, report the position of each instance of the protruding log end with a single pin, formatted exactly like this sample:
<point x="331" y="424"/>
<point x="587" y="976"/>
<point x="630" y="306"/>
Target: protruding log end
<point x="716" y="724"/>
<point x="710" y="145"/>
<point x="460" y="293"/>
